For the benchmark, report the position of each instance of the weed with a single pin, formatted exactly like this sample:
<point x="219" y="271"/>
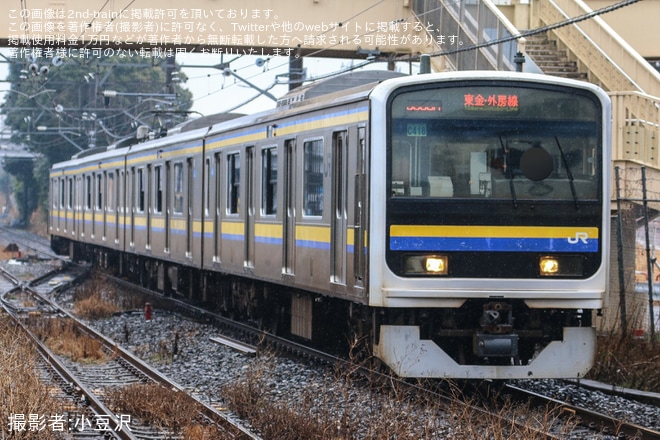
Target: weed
<point x="21" y="390"/>
<point x="159" y="406"/>
<point x="63" y="337"/>
<point x="626" y="361"/>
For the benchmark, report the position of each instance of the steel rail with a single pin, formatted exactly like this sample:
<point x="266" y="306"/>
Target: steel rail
<point x="222" y="420"/>
<point x="592" y="419"/>
<point x="90" y="397"/>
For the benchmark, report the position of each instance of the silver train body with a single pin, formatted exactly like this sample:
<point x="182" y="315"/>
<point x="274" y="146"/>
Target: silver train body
<point x="459" y="221"/>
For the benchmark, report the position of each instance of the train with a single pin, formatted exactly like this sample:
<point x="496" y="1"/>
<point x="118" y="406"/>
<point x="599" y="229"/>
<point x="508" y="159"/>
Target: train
<point x="457" y="223"/>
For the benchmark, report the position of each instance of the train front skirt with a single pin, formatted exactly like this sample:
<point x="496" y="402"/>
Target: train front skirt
<point x="401" y="348"/>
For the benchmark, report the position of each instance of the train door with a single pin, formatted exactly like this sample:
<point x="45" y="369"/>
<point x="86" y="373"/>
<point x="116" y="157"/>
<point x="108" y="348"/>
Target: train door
<point x="106" y="204"/>
<point x="98" y="205"/>
<point x="110" y="195"/>
<point x="207" y="191"/>
<point x="119" y="203"/>
<point x="73" y="199"/>
<point x="92" y="204"/>
<point x="148" y="207"/>
<point x="158" y="192"/>
<point x="168" y="204"/>
<point x="339" y="214"/>
<point x="189" y="205"/>
<point x="87" y="203"/>
<point x="67" y="205"/>
<point x="62" y="203"/>
<point x="132" y="206"/>
<point x="359" y="249"/>
<point x="141" y="208"/>
<point x="76" y="205"/>
<point x="57" y="202"/>
<point x="217" y="221"/>
<point x="249" y="211"/>
<point x="289" y="239"/>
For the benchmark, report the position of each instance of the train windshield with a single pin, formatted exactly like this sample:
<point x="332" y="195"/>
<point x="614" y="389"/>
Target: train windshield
<point x="494" y="141"/>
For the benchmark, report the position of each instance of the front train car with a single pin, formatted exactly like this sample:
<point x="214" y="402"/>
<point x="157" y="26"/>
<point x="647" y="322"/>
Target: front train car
<point x="493" y="226"/>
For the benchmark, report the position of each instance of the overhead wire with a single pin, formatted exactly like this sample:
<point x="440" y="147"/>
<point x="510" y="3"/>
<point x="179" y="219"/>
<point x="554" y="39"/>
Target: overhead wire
<point x="96" y="14"/>
<point x="113" y="18"/>
<point x="310" y="55"/>
<point x="26" y="21"/>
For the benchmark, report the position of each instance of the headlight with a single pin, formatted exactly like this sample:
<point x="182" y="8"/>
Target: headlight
<point x="561" y="265"/>
<point x="549" y="266"/>
<point x="427" y="265"/>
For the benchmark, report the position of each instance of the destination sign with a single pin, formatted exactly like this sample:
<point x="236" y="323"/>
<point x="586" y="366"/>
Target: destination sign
<point x="424" y="107"/>
<point x="494" y="102"/>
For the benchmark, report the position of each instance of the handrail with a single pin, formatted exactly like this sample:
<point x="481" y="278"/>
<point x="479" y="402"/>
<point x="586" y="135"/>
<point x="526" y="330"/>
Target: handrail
<point x="616" y="65"/>
<point x="636" y="128"/>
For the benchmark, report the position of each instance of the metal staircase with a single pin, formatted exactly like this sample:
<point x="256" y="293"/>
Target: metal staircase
<point x="473" y="22"/>
<point x="551" y="59"/>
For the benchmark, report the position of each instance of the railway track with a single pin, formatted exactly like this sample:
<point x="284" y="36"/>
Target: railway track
<point x="587" y="422"/>
<point x="86" y="384"/>
<point x="594" y="421"/>
<point x="30" y="244"/>
<point x="591" y="424"/>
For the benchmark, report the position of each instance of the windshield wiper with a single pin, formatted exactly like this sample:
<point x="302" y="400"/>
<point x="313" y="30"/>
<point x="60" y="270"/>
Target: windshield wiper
<point x="568" y="173"/>
<point x="509" y="172"/>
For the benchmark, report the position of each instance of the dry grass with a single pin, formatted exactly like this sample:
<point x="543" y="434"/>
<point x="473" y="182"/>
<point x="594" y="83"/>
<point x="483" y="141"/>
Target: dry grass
<point x="98" y="299"/>
<point x="324" y="411"/>
<point x="161" y="407"/>
<point x="627" y="362"/>
<point x="62" y="336"/>
<point x="21" y="390"/>
<point x="95" y="308"/>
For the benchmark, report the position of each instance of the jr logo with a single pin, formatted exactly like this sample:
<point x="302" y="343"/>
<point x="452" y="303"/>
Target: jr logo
<point x="579" y="237"/>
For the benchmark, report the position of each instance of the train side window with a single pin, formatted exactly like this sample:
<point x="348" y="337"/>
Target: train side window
<point x="70" y="196"/>
<point x="234" y="183"/>
<point x="178" y="188"/>
<point x="53" y="184"/>
<point x="158" y="202"/>
<point x="88" y="192"/>
<point x="62" y="193"/>
<point x="140" y="190"/>
<point x="110" y="197"/>
<point x="269" y="181"/>
<point x="80" y="192"/>
<point x="313" y="178"/>
<point x="99" y="192"/>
